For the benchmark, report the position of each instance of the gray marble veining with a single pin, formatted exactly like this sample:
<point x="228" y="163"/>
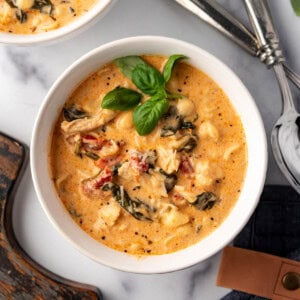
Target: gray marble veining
<point x="26" y="74"/>
<point x="25" y="69"/>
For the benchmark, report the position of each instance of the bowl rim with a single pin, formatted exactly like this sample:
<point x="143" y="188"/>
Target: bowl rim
<point x="174" y="266"/>
<point x="81" y="23"/>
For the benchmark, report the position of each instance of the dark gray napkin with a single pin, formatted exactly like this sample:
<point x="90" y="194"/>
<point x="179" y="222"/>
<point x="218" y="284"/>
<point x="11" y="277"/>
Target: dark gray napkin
<point x="274" y="228"/>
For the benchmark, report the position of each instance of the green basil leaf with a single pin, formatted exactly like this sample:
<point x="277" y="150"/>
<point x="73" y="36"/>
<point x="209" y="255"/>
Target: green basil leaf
<point x="121" y="99"/>
<point x="127" y="63"/>
<point x="296" y="6"/>
<point x="147" y="115"/>
<point x="170" y="65"/>
<point x="148" y="79"/>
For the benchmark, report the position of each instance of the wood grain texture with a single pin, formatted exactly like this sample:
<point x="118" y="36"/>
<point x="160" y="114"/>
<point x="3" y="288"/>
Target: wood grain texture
<point x="20" y="276"/>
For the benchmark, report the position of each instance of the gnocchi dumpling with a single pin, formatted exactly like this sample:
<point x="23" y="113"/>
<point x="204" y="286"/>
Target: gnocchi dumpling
<point x="124" y="121"/>
<point x="185" y="107"/>
<point x="5" y="13"/>
<point x="208" y="130"/>
<point x="207" y="172"/>
<point x="24" y="4"/>
<point x="174" y="218"/>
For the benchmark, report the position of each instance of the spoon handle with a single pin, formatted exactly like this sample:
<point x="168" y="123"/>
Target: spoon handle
<point x="268" y="43"/>
<point x="215" y="15"/>
<point x="20" y="276"/>
<point x="219" y="18"/>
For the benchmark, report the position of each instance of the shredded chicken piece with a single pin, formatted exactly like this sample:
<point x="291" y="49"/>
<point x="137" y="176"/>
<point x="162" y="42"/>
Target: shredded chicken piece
<point x="168" y="159"/>
<point x="88" y="124"/>
<point x="186" y="194"/>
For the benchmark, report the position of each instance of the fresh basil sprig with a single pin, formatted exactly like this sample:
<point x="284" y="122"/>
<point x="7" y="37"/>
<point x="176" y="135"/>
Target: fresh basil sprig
<point x="127" y="64"/>
<point x="170" y="65"/>
<point x="121" y="99"/>
<point x="148" y="80"/>
<point x="147" y="115"/>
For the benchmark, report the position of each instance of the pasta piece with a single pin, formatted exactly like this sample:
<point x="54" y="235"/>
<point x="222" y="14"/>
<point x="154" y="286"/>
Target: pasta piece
<point x="123" y="227"/>
<point x="124" y="121"/>
<point x="61" y="183"/>
<point x="135" y="247"/>
<point x="229" y="151"/>
<point x="168" y="159"/>
<point x="185" y="230"/>
<point x="5" y="13"/>
<point x="47" y="25"/>
<point x="186" y="107"/>
<point x="24" y="4"/>
<point x="206" y="173"/>
<point x="180" y="232"/>
<point x="208" y="130"/>
<point x="202" y="180"/>
<point x="144" y="142"/>
<point x="174" y="218"/>
<point x="38" y="20"/>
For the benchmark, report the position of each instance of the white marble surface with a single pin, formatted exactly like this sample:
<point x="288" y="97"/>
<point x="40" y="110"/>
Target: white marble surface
<point x="27" y="73"/>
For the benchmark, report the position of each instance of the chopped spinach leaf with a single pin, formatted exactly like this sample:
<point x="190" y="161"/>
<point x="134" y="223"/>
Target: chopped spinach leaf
<point x="73" y="113"/>
<point x="21" y="16"/>
<point x="44" y="6"/>
<point x="170" y="180"/>
<point x="137" y="208"/>
<point x="206" y="200"/>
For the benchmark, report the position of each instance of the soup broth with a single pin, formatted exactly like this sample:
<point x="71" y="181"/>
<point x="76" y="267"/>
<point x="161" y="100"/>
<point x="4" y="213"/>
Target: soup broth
<point x="157" y="193"/>
<point x="36" y="16"/>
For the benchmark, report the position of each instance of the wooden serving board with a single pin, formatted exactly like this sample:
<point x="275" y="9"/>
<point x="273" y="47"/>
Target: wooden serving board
<point x="20" y="276"/>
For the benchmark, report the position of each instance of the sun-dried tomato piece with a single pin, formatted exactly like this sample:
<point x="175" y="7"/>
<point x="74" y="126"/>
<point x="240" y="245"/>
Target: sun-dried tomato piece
<point x="185" y="165"/>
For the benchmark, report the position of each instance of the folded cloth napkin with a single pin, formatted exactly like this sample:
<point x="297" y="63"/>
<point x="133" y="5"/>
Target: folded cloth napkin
<point x="274" y="228"/>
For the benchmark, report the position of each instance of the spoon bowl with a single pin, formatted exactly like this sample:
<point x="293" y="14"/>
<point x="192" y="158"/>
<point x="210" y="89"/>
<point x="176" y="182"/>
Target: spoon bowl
<point x="285" y="133"/>
<point x="285" y="140"/>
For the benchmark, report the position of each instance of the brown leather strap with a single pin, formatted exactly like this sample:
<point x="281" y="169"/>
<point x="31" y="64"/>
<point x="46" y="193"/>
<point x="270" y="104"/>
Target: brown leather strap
<point x="259" y="274"/>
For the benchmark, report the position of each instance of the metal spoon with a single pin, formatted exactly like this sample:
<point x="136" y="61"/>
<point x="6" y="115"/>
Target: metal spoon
<point x="285" y="134"/>
<point x="216" y="15"/>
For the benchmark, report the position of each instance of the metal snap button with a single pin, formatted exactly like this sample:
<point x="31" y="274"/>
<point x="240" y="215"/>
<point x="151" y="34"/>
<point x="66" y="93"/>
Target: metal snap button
<point x="291" y="281"/>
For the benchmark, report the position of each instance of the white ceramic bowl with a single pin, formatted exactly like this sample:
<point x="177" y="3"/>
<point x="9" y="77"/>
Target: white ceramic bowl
<point x="67" y="31"/>
<point x="241" y="100"/>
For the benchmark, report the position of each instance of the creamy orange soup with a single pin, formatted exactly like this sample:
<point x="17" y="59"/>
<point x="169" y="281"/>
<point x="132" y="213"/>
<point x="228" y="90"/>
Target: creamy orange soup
<point x="156" y="193"/>
<point x="36" y="16"/>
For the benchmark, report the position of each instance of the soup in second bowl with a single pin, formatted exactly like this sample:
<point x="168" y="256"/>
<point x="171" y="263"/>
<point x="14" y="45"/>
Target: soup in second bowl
<point x="37" y="16"/>
<point x="148" y="155"/>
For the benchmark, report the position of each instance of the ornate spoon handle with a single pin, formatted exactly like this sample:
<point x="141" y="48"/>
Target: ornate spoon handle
<point x="268" y="43"/>
<point x="215" y="15"/>
<point x="20" y="276"/>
